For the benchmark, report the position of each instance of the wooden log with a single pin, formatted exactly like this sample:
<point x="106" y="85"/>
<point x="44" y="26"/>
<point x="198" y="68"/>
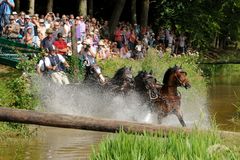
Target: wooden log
<point x="87" y="123"/>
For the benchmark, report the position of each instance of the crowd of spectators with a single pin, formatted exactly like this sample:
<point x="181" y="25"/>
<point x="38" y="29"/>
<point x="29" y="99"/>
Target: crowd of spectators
<point x="129" y="41"/>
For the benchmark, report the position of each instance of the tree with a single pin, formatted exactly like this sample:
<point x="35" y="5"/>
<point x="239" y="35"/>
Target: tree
<point x="31" y="7"/>
<point x="17" y="5"/>
<point x="144" y="13"/>
<point x="82" y="7"/>
<point x="90" y="7"/>
<point x="133" y="11"/>
<point x="49" y="6"/>
<point x="117" y="11"/>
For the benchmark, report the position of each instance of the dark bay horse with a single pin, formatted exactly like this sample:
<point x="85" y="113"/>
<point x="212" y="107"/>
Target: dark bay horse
<point x="169" y="99"/>
<point x="122" y="81"/>
<point x="146" y="85"/>
<point x="93" y="76"/>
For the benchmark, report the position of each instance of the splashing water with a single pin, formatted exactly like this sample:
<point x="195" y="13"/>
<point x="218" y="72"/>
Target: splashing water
<point x="85" y="101"/>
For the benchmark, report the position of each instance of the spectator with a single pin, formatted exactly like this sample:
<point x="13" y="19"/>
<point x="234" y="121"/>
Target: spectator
<point x="60" y="45"/>
<point x="5" y="11"/>
<point x="57" y="29"/>
<point x="47" y="42"/>
<point x="28" y="37"/>
<point x="12" y="30"/>
<point x="28" y="24"/>
<point x="41" y="30"/>
<point x="21" y="22"/>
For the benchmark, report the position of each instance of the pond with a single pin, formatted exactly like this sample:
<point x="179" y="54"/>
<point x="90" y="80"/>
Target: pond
<point x="223" y="93"/>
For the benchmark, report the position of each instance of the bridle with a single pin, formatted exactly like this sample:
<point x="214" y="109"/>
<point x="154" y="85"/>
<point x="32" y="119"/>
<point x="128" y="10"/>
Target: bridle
<point x="151" y="87"/>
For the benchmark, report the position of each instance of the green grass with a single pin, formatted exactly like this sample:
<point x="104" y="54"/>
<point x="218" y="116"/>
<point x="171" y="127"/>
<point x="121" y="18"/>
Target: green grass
<point x="159" y="66"/>
<point x="180" y="146"/>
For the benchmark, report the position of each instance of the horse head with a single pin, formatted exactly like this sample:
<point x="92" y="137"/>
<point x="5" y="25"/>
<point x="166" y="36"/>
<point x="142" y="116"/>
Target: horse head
<point x="176" y="76"/>
<point x="94" y="73"/>
<point x="146" y="82"/>
<point x="124" y="78"/>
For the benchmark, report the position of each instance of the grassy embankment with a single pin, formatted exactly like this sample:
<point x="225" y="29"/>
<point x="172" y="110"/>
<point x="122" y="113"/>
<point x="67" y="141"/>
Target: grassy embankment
<point x="15" y="92"/>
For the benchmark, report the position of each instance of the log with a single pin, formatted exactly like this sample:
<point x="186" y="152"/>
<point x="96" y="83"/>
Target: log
<point x="88" y="123"/>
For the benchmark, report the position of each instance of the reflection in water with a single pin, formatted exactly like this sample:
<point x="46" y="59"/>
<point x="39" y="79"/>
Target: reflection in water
<point x="51" y="143"/>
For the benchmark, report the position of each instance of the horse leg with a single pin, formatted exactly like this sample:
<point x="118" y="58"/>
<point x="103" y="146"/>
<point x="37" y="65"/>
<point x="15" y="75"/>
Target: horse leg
<point x="180" y="117"/>
<point x="160" y="116"/>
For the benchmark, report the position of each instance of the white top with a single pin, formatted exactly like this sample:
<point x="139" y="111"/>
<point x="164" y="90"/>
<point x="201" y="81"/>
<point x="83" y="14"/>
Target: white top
<point x="48" y="63"/>
<point x="41" y="65"/>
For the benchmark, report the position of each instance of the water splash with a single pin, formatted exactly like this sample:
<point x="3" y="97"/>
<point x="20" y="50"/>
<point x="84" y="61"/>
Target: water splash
<point x="86" y="101"/>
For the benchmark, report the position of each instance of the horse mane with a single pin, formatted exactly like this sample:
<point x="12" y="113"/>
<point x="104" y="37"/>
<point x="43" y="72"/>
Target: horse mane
<point x="118" y="75"/>
<point x="169" y="72"/>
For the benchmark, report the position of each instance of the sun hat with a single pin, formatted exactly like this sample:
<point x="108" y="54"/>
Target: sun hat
<point x="49" y="31"/>
<point x="41" y="20"/>
<point x="27" y="17"/>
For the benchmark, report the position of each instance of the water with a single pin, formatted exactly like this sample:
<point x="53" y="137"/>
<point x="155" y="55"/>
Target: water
<point x="51" y="144"/>
<point x="56" y="143"/>
<point x="223" y="93"/>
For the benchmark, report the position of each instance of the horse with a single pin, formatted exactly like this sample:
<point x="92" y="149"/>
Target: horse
<point x="93" y="75"/>
<point x="146" y="85"/>
<point x="122" y="81"/>
<point x="169" y="98"/>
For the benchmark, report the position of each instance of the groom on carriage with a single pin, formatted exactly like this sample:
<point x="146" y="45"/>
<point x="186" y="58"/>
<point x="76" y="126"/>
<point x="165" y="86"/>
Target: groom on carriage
<point x="88" y="56"/>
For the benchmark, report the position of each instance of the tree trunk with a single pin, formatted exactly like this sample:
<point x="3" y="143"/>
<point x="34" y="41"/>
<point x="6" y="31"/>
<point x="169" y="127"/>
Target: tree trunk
<point x="50" y="6"/>
<point x="117" y="11"/>
<point x="94" y="124"/>
<point x="133" y="11"/>
<point x="31" y="9"/>
<point x="74" y="57"/>
<point x="90" y="7"/>
<point x="144" y="13"/>
<point x="82" y="7"/>
<point x="17" y="5"/>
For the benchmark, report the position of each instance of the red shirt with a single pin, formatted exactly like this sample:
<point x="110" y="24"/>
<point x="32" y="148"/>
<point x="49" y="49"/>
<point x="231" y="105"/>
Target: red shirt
<point x="60" y="44"/>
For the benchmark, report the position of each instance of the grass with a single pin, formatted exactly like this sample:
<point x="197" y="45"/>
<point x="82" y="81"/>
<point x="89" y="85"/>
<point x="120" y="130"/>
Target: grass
<point x="196" y="145"/>
<point x="159" y="66"/>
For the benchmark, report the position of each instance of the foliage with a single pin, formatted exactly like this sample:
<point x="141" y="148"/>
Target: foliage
<point x="202" y="20"/>
<point x="195" y="145"/>
<point x="16" y="92"/>
<point x="76" y="68"/>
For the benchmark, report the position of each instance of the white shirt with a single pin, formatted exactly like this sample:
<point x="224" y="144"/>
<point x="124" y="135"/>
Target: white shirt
<point x="48" y="63"/>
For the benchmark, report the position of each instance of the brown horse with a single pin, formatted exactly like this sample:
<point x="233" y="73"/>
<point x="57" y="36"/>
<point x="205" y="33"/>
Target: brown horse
<point x="169" y="99"/>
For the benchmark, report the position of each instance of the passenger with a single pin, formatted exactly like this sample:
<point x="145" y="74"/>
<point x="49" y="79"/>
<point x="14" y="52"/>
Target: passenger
<point x="89" y="59"/>
<point x="55" y="64"/>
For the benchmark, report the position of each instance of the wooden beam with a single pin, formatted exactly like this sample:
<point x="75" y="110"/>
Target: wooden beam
<point x="86" y="123"/>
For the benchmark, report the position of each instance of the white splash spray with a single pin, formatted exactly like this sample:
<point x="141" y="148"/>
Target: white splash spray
<point x="84" y="101"/>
